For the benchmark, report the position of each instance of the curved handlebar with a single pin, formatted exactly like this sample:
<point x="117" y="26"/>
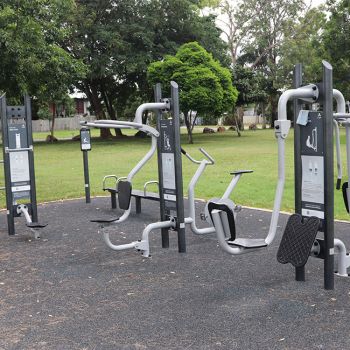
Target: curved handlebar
<point x="211" y="159"/>
<point x="205" y="153"/>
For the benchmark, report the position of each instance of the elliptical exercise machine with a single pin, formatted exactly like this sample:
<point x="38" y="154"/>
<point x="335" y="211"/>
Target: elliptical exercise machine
<point x="224" y="199"/>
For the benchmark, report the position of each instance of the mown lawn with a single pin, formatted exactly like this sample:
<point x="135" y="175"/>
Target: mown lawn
<point x="59" y="171"/>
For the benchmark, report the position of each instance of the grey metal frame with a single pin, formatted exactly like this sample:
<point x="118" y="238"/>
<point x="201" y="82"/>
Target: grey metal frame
<point x="169" y="219"/>
<point x="29" y="209"/>
<point x="282" y="126"/>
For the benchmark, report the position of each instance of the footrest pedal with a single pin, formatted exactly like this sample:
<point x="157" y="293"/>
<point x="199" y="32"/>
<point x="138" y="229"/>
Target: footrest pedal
<point x="298" y="239"/>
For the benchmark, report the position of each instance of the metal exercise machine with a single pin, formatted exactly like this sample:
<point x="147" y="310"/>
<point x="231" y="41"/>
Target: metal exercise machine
<point x="18" y="160"/>
<point x="166" y="141"/>
<point x="224" y="199"/>
<point x="110" y="182"/>
<point x="314" y="184"/>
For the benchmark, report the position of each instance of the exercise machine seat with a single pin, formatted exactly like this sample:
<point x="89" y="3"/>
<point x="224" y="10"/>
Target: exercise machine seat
<point x="230" y="217"/>
<point x="35" y="225"/>
<point x="105" y="220"/>
<point x="247" y="243"/>
<point x="239" y="172"/>
<point x="124" y="194"/>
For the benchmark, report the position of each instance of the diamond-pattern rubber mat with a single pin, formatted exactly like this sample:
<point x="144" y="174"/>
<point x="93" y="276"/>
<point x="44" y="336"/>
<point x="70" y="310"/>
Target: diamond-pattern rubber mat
<point x="297" y="240"/>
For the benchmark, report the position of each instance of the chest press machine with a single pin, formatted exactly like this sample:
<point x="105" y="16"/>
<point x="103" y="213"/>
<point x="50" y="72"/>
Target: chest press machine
<point x="166" y="141"/>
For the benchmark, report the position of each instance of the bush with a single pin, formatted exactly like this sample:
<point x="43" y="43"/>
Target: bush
<point x="44" y="112"/>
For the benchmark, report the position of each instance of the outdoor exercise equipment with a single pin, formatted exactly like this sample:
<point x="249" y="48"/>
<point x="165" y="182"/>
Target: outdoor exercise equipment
<point x="18" y="160"/>
<point x="110" y="184"/>
<point x="166" y="141"/>
<point x="344" y="118"/>
<point x="314" y="192"/>
<point x="314" y="184"/>
<point x="85" y="146"/>
<point x="202" y="164"/>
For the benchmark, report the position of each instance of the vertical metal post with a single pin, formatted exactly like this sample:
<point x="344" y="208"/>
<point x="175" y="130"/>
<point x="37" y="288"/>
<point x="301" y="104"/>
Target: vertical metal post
<point x="85" y="146"/>
<point x="86" y="176"/>
<point x="7" y="173"/>
<point x="327" y="99"/>
<point x="297" y="82"/>
<point x="28" y="122"/>
<point x="164" y="231"/>
<point x="178" y="168"/>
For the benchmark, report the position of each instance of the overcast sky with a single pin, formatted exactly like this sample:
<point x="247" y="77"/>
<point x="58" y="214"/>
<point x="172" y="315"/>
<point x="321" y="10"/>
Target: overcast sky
<point x="318" y="2"/>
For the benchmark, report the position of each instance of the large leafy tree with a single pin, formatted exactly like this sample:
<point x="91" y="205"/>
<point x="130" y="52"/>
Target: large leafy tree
<point x="250" y="85"/>
<point x="30" y="59"/>
<point x="205" y="86"/>
<point x="303" y="45"/>
<point x="336" y="39"/>
<point x="255" y="31"/>
<point x="117" y="40"/>
<point x="272" y="20"/>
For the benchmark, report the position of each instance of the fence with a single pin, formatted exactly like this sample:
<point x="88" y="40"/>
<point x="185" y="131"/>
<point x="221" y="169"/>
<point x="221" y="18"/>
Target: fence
<point x="72" y="123"/>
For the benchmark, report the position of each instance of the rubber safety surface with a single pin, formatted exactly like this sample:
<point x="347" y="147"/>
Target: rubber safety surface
<point x="68" y="290"/>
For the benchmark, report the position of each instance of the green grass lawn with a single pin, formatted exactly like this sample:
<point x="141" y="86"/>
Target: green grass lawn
<point x="59" y="168"/>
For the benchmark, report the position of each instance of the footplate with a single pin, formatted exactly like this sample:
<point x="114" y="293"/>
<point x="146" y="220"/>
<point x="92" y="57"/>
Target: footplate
<point x="297" y="240"/>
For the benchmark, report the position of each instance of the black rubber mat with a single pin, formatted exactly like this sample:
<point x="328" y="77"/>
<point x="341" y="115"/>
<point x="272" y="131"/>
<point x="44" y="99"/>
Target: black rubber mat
<point x="297" y="240"/>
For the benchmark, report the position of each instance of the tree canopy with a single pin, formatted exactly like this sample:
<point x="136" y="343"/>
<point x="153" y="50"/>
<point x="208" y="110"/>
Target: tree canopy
<point x="30" y="59"/>
<point x="205" y="86"/>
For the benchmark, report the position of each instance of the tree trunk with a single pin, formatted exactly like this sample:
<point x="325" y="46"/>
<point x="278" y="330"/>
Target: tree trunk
<point x="263" y="116"/>
<point x="237" y="127"/>
<point x="53" y="126"/>
<point x="274" y="106"/>
<point x="188" y="127"/>
<point x="91" y="91"/>
<point x="239" y="117"/>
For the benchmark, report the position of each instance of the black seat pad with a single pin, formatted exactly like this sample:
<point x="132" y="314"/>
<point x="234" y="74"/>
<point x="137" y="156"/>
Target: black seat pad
<point x="104" y="220"/>
<point x="36" y="225"/>
<point x="149" y="195"/>
<point x="230" y="217"/>
<point x="241" y="172"/>
<point x="248" y="243"/>
<point x="111" y="190"/>
<point x="298" y="239"/>
<point x="124" y="194"/>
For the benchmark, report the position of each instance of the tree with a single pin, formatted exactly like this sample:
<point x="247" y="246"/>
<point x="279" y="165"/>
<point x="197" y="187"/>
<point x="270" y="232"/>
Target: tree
<point x="336" y="40"/>
<point x="251" y="90"/>
<point x="272" y="20"/>
<point x="304" y="45"/>
<point x="30" y="59"/>
<point x="118" y="50"/>
<point x="255" y="31"/>
<point x="205" y="86"/>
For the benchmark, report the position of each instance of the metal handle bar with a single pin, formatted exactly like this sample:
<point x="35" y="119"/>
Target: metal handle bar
<point x="121" y="178"/>
<point x="341" y="115"/>
<point x="211" y="159"/>
<point x="109" y="177"/>
<point x="206" y="154"/>
<point x="148" y="183"/>
<point x="9" y="150"/>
